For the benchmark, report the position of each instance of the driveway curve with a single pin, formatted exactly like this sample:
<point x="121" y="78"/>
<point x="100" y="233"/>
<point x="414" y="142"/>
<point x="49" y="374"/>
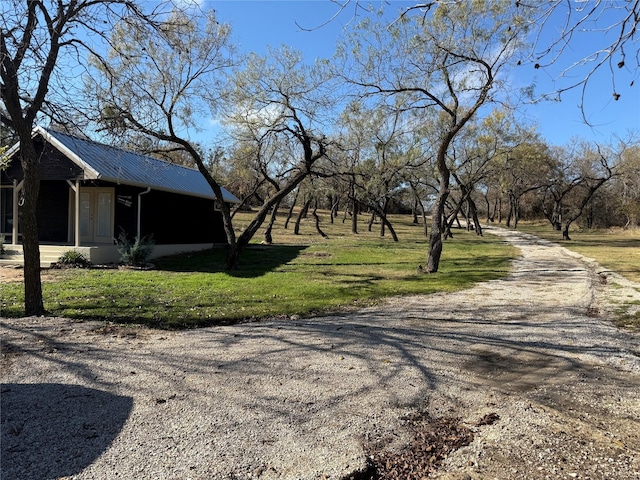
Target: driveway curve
<point x="302" y="398"/>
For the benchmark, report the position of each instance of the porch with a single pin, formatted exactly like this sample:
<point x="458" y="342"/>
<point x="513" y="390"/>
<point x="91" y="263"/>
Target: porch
<point x="96" y="254"/>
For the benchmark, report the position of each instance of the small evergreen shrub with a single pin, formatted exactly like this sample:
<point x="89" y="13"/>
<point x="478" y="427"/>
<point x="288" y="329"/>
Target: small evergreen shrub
<point x="74" y="259"/>
<point x="2" y="250"/>
<point x="136" y="253"/>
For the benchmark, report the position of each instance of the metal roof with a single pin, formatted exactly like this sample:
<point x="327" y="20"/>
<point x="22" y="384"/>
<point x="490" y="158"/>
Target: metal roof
<point x="112" y="164"/>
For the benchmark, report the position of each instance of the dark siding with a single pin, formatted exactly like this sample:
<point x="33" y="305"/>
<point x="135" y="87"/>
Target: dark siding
<point x="13" y="172"/>
<point x="53" y="211"/>
<point x="126" y="210"/>
<point x="170" y="217"/>
<point x="173" y="218"/>
<point x="53" y="166"/>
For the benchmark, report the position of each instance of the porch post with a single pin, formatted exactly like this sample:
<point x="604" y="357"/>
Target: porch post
<point x="16" y="196"/>
<point x="77" y="216"/>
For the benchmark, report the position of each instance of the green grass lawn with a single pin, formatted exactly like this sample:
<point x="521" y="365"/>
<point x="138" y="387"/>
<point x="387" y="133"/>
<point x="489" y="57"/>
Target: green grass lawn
<point x="300" y="275"/>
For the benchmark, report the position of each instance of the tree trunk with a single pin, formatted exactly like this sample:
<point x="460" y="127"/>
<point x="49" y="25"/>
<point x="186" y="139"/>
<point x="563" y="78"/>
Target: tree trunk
<point x="447" y="225"/>
<point x="424" y="222"/>
<point x="268" y="238"/>
<point x="371" y="220"/>
<point x="385" y="222"/>
<point x="354" y="216"/>
<point x="467" y="213"/>
<point x="33" y="302"/>
<point x="245" y="237"/>
<point x="422" y="210"/>
<point x="486" y="200"/>
<point x="317" y="222"/>
<point x="302" y="214"/>
<point x="515" y="208"/>
<point x="512" y="215"/>
<point x="290" y="212"/>
<point x="437" y="222"/>
<point x="333" y="213"/>
<point x="474" y="215"/>
<point x="233" y="256"/>
<point x="435" y="248"/>
<point x="435" y="238"/>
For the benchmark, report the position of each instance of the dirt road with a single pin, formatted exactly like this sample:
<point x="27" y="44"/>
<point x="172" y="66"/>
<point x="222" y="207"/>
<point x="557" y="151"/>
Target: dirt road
<point x="303" y="398"/>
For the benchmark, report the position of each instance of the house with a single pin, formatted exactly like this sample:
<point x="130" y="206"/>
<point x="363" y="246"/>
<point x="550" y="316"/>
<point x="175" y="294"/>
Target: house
<point x="90" y="192"/>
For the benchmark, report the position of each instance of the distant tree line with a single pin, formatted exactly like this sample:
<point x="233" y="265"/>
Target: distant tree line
<point x="413" y="115"/>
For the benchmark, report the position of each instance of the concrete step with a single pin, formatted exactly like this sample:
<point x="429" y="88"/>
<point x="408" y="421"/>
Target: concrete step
<point x="48" y="254"/>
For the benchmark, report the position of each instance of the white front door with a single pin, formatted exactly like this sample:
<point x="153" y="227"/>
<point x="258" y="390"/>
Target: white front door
<point x="96" y="215"/>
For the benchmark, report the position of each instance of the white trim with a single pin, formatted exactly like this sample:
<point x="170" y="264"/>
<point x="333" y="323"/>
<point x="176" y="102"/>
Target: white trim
<point x="38" y="130"/>
<point x="89" y="172"/>
<point x="75" y="228"/>
<point x="17" y="186"/>
<point x="140" y="210"/>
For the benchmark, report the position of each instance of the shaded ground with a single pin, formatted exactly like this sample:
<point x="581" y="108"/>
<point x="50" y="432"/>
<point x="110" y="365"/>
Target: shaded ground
<point x="526" y="371"/>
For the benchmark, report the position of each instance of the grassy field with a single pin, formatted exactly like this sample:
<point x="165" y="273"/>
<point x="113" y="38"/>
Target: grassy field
<point x="615" y="249"/>
<point x="297" y="275"/>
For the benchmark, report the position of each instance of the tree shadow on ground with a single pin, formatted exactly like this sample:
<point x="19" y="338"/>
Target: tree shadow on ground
<point x="52" y="430"/>
<point x="255" y="261"/>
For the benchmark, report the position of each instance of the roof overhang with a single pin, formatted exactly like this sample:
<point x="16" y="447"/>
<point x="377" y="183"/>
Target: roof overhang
<point x="89" y="172"/>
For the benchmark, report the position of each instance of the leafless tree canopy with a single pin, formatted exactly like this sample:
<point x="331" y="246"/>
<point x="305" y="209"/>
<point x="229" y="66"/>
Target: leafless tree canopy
<point x="615" y="23"/>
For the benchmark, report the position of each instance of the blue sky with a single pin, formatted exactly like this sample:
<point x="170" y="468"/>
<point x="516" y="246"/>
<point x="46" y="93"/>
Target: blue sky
<point x="257" y="24"/>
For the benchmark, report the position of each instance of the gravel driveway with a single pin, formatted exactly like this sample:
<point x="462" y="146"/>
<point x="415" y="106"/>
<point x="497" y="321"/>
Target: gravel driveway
<point x="303" y="398"/>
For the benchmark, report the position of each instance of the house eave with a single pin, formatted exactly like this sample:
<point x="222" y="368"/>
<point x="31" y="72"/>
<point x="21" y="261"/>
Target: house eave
<point x="89" y="172"/>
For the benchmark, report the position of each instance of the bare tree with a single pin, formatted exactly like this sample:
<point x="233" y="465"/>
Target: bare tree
<point x="615" y="24"/>
<point x="584" y="169"/>
<point x="279" y="100"/>
<point x="42" y="44"/>
<point x="529" y="167"/>
<point x="183" y="66"/>
<point x="380" y="147"/>
<point x="557" y="25"/>
<point x="629" y="185"/>
<point x="444" y="64"/>
<point x="473" y="155"/>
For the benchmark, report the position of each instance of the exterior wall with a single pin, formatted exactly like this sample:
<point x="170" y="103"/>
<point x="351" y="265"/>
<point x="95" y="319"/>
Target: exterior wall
<point x="109" y="253"/>
<point x="53" y="211"/>
<point x="53" y="166"/>
<point x="173" y="219"/>
<point x="126" y="210"/>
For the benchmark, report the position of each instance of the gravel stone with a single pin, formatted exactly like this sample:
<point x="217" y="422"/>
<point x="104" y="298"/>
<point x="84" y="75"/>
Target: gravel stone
<point x="529" y="364"/>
